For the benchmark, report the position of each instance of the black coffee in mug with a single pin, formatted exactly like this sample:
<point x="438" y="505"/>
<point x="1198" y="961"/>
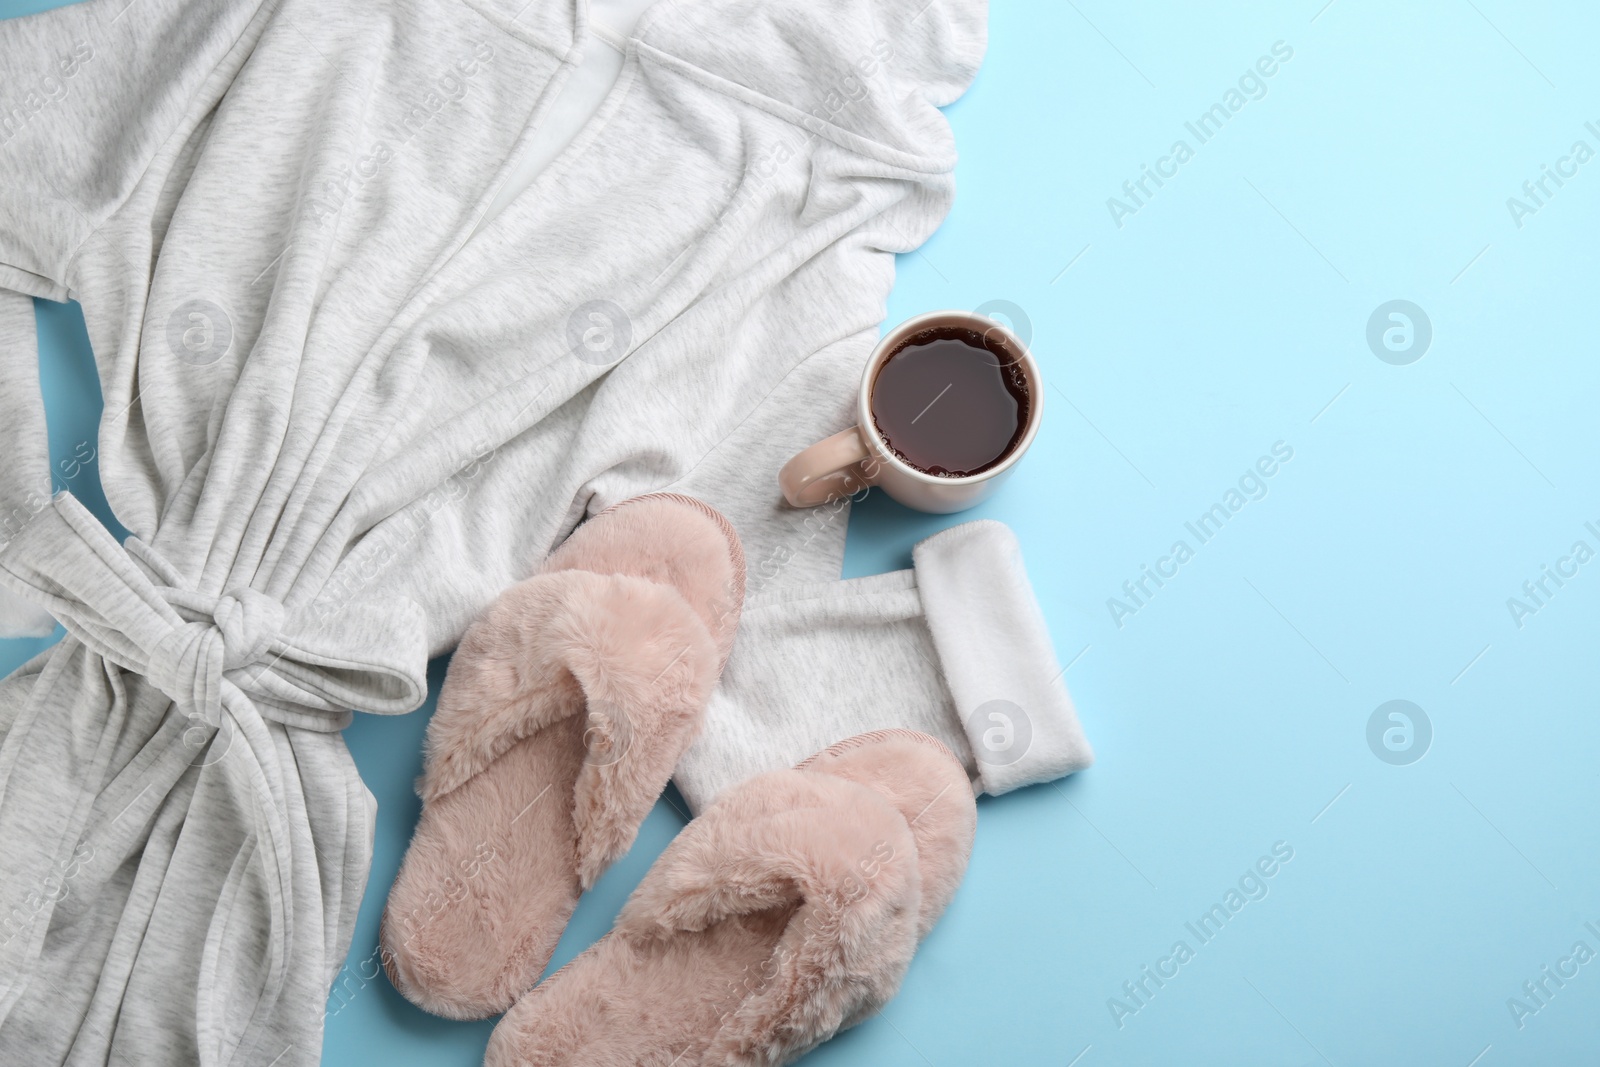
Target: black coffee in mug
<point x="951" y="401"/>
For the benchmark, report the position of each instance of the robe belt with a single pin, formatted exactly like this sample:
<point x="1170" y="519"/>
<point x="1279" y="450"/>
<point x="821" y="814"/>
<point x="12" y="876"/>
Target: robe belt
<point x="236" y="658"/>
<point x="240" y="650"/>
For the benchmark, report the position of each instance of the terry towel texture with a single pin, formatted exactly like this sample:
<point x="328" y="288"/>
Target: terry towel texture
<point x="341" y="416"/>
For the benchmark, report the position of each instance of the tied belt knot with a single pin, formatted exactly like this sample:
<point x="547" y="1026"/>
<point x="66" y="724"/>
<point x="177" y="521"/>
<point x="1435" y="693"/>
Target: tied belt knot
<point x="239" y="661"/>
<point x="240" y="651"/>
<point x="224" y="634"/>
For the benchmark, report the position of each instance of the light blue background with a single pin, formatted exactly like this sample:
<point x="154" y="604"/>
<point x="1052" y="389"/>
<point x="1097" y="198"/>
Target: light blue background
<point x="1230" y="712"/>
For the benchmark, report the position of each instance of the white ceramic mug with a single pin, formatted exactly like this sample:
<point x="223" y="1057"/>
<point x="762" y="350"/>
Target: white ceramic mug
<point x="853" y="459"/>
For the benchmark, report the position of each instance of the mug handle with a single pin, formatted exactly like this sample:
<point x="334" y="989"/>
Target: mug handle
<point x="827" y="470"/>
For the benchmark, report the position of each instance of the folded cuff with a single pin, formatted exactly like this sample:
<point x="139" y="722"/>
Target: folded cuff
<point x="998" y="660"/>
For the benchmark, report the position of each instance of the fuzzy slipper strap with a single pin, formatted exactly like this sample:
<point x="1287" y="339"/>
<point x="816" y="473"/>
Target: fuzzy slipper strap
<point x="629" y="654"/>
<point x="833" y="849"/>
<point x="785" y="836"/>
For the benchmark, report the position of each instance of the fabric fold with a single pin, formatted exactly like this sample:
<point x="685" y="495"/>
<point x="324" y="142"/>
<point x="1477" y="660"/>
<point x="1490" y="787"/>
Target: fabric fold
<point x="997" y="657"/>
<point x="213" y="652"/>
<point x="25" y="476"/>
<point x="227" y="662"/>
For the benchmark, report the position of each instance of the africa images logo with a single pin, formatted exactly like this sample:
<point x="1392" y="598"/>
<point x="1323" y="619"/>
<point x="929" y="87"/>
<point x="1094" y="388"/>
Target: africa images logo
<point x="1399" y="332"/>
<point x="199" y="332"/>
<point x="1251" y="886"/>
<point x="1399" y="732"/>
<point x="1252" y="485"/>
<point x="1252" y="85"/>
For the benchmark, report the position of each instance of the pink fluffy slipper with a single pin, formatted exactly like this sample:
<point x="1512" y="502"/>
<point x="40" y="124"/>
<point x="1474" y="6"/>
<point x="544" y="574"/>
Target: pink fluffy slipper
<point x="785" y="913"/>
<point x="564" y="712"/>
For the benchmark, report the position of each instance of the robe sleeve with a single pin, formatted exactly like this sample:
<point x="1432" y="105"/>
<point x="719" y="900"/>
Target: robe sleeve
<point x="25" y="474"/>
<point x="88" y="100"/>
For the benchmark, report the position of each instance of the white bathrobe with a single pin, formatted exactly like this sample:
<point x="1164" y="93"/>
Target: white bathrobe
<point x="344" y="408"/>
